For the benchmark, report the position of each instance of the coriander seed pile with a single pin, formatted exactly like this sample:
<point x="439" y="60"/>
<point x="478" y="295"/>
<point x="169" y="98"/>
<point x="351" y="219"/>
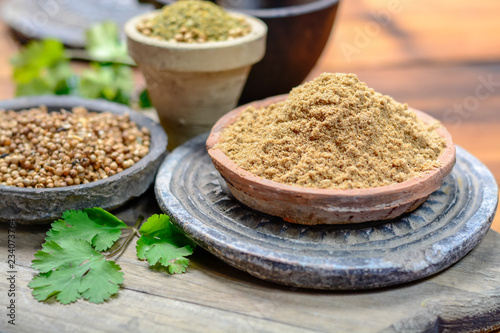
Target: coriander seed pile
<point x="333" y="133"/>
<point x="41" y="149"/>
<point x="194" y="21"/>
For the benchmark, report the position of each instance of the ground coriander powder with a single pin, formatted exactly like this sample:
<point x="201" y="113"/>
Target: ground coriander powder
<point x="333" y="133"/>
<point x="194" y="21"/>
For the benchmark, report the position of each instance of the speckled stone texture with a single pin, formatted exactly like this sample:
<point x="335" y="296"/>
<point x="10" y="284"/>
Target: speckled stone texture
<point x="440" y="232"/>
<point x="44" y="205"/>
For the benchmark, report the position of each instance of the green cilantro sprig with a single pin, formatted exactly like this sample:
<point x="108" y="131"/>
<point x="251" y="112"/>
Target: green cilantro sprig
<point x="43" y="67"/>
<point x="70" y="269"/>
<point x="72" y="264"/>
<point x="162" y="244"/>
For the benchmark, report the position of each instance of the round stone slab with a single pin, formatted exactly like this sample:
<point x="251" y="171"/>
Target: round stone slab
<point x="440" y="232"/>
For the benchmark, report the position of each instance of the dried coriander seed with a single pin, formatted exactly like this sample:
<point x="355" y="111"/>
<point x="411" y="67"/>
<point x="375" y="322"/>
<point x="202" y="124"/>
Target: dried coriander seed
<point x="36" y="153"/>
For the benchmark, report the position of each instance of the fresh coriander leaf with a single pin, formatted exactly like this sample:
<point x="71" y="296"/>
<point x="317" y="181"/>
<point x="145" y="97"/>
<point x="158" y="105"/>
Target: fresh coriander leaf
<point x="42" y="68"/>
<point x="103" y="43"/>
<point x="55" y="80"/>
<point x="57" y="283"/>
<point x="170" y="256"/>
<point x="70" y="269"/>
<point x="161" y="243"/>
<point x="101" y="282"/>
<point x="103" y="217"/>
<point x="113" y="83"/>
<point x="95" y="225"/>
<point x="145" y="100"/>
<point x="37" y="86"/>
<point x="35" y="57"/>
<point x="59" y="77"/>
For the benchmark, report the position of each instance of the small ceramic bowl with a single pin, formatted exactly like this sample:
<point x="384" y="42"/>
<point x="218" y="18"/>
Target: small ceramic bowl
<point x="192" y="85"/>
<point x="39" y="205"/>
<point x="326" y="206"/>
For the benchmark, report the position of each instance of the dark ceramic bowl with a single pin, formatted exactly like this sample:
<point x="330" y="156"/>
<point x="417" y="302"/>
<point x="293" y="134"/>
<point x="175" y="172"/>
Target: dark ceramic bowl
<point x="298" y="31"/>
<point x="33" y="205"/>
<point x="326" y="206"/>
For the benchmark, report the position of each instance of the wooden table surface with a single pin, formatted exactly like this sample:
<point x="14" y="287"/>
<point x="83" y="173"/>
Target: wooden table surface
<point x="439" y="56"/>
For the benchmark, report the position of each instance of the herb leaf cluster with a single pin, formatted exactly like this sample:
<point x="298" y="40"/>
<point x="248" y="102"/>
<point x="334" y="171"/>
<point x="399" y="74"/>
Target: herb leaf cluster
<point x="72" y="264"/>
<point x="43" y="67"/>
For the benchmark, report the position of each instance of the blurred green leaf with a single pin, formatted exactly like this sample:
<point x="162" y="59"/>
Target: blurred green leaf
<point x="37" y="86"/>
<point x="145" y="100"/>
<point x="111" y="82"/>
<point x="36" y="57"/>
<point x="103" y="43"/>
<point x="162" y="244"/>
<point x="42" y="68"/>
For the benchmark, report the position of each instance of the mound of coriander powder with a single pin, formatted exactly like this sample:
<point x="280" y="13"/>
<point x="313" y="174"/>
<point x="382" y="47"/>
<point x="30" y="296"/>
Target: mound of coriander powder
<point x="333" y="133"/>
<point x="194" y="21"/>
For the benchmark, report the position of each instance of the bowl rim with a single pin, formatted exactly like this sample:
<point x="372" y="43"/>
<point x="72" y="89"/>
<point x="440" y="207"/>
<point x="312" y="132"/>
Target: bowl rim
<point x="301" y="9"/>
<point x="447" y="159"/>
<point x="278" y="12"/>
<point x="157" y="141"/>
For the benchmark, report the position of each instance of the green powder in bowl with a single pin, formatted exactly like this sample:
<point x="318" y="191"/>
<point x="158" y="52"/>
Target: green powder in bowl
<point x="194" y="21"/>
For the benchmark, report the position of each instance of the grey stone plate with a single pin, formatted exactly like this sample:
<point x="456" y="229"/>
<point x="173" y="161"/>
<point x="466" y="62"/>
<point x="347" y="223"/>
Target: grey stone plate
<point x="33" y="205"/>
<point x="444" y="229"/>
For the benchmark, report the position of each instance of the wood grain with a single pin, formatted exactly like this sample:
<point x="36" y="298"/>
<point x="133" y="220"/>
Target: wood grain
<point x="153" y="301"/>
<point x="401" y="32"/>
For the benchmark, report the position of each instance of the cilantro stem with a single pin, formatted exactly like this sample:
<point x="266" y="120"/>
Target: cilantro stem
<point x="119" y="251"/>
<point x="138" y="222"/>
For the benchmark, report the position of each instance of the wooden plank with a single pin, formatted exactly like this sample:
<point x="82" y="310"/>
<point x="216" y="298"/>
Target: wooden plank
<point x="375" y="33"/>
<point x="152" y="301"/>
<point x="132" y="310"/>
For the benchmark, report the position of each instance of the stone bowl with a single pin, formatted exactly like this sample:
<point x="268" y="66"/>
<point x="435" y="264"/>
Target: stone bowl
<point x="326" y="206"/>
<point x="43" y="205"/>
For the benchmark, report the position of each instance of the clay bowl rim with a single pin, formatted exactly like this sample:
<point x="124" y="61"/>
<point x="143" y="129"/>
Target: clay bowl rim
<point x="259" y="29"/>
<point x="447" y="158"/>
<point x="95" y="105"/>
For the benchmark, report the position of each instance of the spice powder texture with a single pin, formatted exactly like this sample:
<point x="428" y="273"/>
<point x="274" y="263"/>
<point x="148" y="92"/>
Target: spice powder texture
<point x="333" y="133"/>
<point x="194" y="21"/>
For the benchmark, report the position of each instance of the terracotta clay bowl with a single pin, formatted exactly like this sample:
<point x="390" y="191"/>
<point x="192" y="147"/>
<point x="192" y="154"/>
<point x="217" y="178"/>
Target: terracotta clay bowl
<point x="42" y="205"/>
<point x="326" y="206"/>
